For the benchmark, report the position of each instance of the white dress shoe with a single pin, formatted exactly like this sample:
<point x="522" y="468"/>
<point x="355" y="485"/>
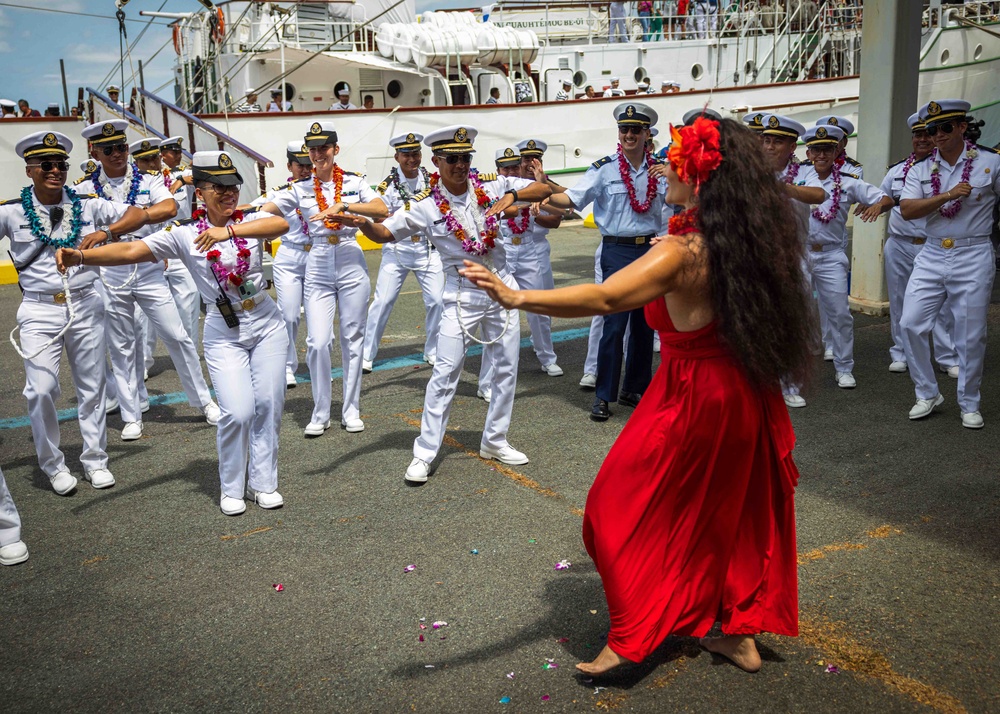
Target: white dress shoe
<point x="366" y="366"/>
<point x="144" y="406"/>
<point x="589" y="381"/>
<point x="417" y="471"/>
<point x="953" y="371"/>
<point x="484" y="394"/>
<point x="145" y="375"/>
<point x="16" y="552"/>
<point x="111" y="406"/>
<point x="845" y="380"/>
<point x="352" y="425"/>
<point x="923" y="407"/>
<point x="315" y="429"/>
<point x="553" y="370"/>
<point x="972" y="420"/>
<point x="232" y="506"/>
<point x="132" y="431"/>
<point x="505" y="454"/>
<point x="828" y="356"/>
<point x="430" y="359"/>
<point x="794" y="401"/>
<point x="290" y="381"/>
<point x="897" y="366"/>
<point x="212" y="413"/>
<point x="100" y="478"/>
<point x="266" y="500"/>
<point x="63" y="482"/>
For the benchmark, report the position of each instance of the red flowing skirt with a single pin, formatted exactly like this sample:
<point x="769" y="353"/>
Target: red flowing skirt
<point x="691" y="519"/>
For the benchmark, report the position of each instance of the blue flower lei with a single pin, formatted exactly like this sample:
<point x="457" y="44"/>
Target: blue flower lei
<point x="38" y="230"/>
<point x="133" y="189"/>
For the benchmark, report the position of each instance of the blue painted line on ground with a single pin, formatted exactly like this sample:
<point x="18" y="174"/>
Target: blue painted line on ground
<point x="380" y="366"/>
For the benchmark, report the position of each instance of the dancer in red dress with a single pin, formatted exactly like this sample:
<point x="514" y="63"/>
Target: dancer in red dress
<point x="691" y="520"/>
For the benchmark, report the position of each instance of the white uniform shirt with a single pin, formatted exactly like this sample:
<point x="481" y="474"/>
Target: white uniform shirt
<point x="976" y="215"/>
<point x="176" y="242"/>
<point x="394" y="202"/>
<point x="301" y="195"/>
<point x="425" y="217"/>
<point x="41" y="276"/>
<point x="852" y="190"/>
<point x="612" y="92"/>
<point x="892" y="185"/>
<point x="562" y="95"/>
<point x="342" y="107"/>
<point x="298" y="231"/>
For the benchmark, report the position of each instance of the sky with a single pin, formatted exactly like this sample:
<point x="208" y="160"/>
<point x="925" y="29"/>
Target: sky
<point x="36" y="34"/>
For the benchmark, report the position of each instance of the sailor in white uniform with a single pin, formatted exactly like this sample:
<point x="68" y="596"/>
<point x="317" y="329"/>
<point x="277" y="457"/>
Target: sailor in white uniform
<point x="843" y="161"/>
<point x="613" y="90"/>
<point x="399" y="258"/>
<point x="906" y="240"/>
<point x="12" y="548"/>
<point x="454" y="216"/>
<point x="49" y="215"/>
<point x="118" y="179"/>
<point x="343" y="93"/>
<point x="245" y="338"/>
<point x="289" y="267"/>
<point x="563" y="95"/>
<point x="336" y="274"/>
<point x="956" y="189"/>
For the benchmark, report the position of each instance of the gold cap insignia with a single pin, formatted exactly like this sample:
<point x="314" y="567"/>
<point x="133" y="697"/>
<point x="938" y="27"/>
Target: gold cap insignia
<point x="50" y="139"/>
<point x="508" y="153"/>
<point x="832" y="121"/>
<point x="304" y="149"/>
<point x="933" y="109"/>
<point x="225" y="162"/>
<point x="821" y="133"/>
<point x="180" y="142"/>
<point x="91" y="167"/>
<point x="461" y="135"/>
<point x="410" y="138"/>
<point x="144" y="146"/>
<point x="773" y="122"/>
<point x="531" y="143"/>
<point x="315" y="128"/>
<point x="630" y="111"/>
<point x="758" y="119"/>
<point x="108" y="129"/>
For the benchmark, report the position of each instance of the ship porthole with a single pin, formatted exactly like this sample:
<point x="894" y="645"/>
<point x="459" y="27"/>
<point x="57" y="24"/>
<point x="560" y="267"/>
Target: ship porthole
<point x="639" y="74"/>
<point x="945" y="56"/>
<point x="978" y="52"/>
<point x="749" y="68"/>
<point x="579" y="78"/>
<point x="394" y="88"/>
<point x="697" y="71"/>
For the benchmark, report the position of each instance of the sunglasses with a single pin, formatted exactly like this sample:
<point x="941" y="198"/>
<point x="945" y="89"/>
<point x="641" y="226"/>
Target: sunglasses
<point x="115" y="149"/>
<point x="49" y="165"/>
<point x="630" y="130"/>
<point x="222" y="190"/>
<point x="453" y="159"/>
<point x="945" y="128"/>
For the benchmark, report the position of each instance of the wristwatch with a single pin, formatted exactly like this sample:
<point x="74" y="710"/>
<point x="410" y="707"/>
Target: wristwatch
<point x="107" y="231"/>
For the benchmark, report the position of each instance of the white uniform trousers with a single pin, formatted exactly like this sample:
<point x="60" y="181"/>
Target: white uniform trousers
<point x="85" y="349"/>
<point x="828" y="273"/>
<point x="247" y="367"/>
<point x="531" y="265"/>
<point x="899" y="254"/>
<point x="397" y="261"/>
<point x="153" y="296"/>
<point x="596" y="323"/>
<point x="110" y="388"/>
<point x="961" y="278"/>
<point x="336" y="282"/>
<point x="477" y="311"/>
<point x="289" y="271"/>
<point x="10" y="521"/>
<point x="188" y="302"/>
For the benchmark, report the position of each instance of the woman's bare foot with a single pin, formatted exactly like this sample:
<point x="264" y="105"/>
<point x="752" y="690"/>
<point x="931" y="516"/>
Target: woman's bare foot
<point x="741" y="650"/>
<point x="607" y="660"/>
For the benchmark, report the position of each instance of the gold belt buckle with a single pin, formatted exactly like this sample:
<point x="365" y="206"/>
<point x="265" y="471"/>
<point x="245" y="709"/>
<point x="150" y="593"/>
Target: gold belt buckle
<point x="307" y="247"/>
<point x="414" y="239"/>
<point x="947" y="243"/>
<point x="333" y="240"/>
<point x="59" y="298"/>
<point x="640" y="240"/>
<point x="249" y="304"/>
<point x="516" y="240"/>
<point x="816" y="248"/>
<point x="919" y="241"/>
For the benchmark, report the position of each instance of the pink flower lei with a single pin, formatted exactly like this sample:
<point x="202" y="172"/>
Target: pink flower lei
<point x="791" y="170"/>
<point x="908" y="164"/>
<point x="485" y="239"/>
<point x="214" y="257"/>
<point x="951" y="209"/>
<point x="826" y="217"/>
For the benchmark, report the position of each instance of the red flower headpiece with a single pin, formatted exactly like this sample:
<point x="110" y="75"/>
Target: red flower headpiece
<point x="694" y="153"/>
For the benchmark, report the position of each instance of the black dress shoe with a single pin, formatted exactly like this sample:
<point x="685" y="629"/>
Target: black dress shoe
<point x="629" y="399"/>
<point x="600" y="411"/>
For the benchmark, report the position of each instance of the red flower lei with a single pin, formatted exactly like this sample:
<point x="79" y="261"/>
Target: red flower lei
<point x="338" y="186"/>
<point x="626" y="174"/>
<point x="525" y="215"/>
<point x="687" y="221"/>
<point x="214" y="256"/>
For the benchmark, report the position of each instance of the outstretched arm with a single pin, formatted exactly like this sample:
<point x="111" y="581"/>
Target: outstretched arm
<point x="133" y="219"/>
<point x="914" y="208"/>
<point x="113" y="254"/>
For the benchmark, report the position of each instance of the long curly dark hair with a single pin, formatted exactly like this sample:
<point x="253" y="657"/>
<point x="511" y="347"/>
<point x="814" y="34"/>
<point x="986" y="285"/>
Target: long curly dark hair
<point x="759" y="291"/>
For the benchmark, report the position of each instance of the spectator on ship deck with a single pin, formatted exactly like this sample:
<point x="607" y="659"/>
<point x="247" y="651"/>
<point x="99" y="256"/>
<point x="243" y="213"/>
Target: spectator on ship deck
<point x="276" y="104"/>
<point x="369" y="102"/>
<point x="588" y="92"/>
<point x="27" y="111"/>
<point x="8" y="109"/>
<point x="343" y="92"/>
<point x="616" y="22"/>
<point x="52" y="110"/>
<point x="494" y="96"/>
<point x="249" y="105"/>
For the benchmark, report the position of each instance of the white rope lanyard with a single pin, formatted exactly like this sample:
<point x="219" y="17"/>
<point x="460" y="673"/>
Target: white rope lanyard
<point x="479" y="221"/>
<point x="135" y="266"/>
<point x="58" y="336"/>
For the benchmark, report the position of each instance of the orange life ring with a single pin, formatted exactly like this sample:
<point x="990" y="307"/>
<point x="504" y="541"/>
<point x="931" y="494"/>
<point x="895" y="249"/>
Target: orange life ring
<point x="177" y="39"/>
<point x="219" y="30"/>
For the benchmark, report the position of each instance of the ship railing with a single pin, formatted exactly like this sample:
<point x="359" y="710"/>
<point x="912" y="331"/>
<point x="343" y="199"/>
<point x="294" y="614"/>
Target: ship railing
<point x="304" y="27"/>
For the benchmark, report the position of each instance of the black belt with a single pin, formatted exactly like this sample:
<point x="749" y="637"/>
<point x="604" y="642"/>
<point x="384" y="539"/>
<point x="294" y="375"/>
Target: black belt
<point x="627" y="240"/>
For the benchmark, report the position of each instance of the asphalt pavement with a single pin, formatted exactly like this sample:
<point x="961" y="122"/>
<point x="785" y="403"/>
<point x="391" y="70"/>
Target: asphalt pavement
<point x="144" y="597"/>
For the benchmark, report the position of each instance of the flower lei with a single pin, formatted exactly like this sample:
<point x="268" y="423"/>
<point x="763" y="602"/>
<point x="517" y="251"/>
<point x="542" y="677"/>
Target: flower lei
<point x="42" y="229"/>
<point x="626" y="174"/>
<point x="687" y="221"/>
<point x="908" y="164"/>
<point x="214" y="256"/>
<point x="791" y="170"/>
<point x="166" y="176"/>
<point x="828" y="216"/>
<point x="338" y="186"/>
<point x="484" y="242"/>
<point x="951" y="209"/>
<point x="401" y="188"/>
<point x="302" y="222"/>
<point x="525" y="214"/>
<point x="132" y="176"/>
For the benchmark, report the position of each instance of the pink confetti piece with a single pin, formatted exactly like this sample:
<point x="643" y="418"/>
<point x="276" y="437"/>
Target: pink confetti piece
<point x="545" y="697"/>
<point x="278" y="587"/>
<point x="421" y="638"/>
<point x="563" y="564"/>
<point x="562" y="639"/>
<point x="510" y="675"/>
<point x="439" y="624"/>
<point x="832" y="669"/>
<point x="409" y="568"/>
<point x="423" y="627"/>
<point x="550" y="664"/>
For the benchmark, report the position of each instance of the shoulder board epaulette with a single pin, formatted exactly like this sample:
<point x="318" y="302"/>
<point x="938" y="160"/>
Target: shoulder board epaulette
<point x="152" y="173"/>
<point x="920" y="161"/>
<point x="306" y="178"/>
<point x="384" y="186"/>
<point x="987" y="148"/>
<point x="600" y="162"/>
<point x="81" y="180"/>
<point x="282" y="187"/>
<point x="852" y="162"/>
<point x="87" y="195"/>
<point x="853" y="176"/>
<point x="488" y="177"/>
<point x="181" y="222"/>
<point x="895" y="164"/>
<point x="9" y="201"/>
<point x="252" y="209"/>
<point x="422" y="195"/>
<point x="352" y="173"/>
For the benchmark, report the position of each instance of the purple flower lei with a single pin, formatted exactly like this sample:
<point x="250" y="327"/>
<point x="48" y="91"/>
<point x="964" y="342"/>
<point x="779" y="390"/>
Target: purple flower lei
<point x="908" y="164"/>
<point x="828" y="216"/>
<point x="133" y="189"/>
<point x="951" y="209"/>
<point x="241" y="268"/>
<point x="792" y="170"/>
<point x="477" y="246"/>
<point x="302" y="222"/>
